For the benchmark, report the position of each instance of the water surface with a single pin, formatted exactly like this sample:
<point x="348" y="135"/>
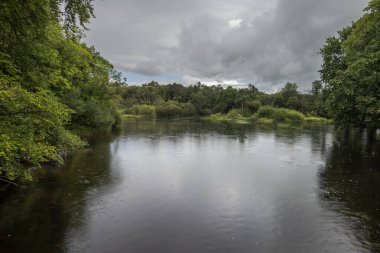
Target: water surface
<point x="194" y="186"/>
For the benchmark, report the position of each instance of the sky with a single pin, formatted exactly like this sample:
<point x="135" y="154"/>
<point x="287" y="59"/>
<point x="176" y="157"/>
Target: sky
<point x="263" y="42"/>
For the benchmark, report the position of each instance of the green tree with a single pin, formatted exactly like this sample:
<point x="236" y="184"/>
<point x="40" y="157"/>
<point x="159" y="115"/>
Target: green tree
<point x="51" y="84"/>
<point x="32" y="131"/>
<point x="351" y="66"/>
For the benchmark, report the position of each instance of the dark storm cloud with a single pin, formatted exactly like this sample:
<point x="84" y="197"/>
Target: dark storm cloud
<point x="267" y="42"/>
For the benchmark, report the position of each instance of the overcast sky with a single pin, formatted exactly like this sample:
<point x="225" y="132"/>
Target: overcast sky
<point x="264" y="42"/>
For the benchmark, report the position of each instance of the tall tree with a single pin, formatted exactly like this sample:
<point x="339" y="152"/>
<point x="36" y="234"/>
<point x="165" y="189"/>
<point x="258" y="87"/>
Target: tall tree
<point x="351" y="66"/>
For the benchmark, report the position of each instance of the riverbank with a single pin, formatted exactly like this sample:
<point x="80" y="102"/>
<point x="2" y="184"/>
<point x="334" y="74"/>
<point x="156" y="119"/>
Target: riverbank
<point x="265" y="116"/>
<point x="279" y="117"/>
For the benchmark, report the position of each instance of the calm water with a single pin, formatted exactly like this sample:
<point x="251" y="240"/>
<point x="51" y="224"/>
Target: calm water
<point x="186" y="186"/>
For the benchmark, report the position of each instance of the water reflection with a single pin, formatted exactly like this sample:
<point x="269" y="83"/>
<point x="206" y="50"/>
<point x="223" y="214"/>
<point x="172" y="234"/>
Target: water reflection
<point x="196" y="186"/>
<point x="37" y="218"/>
<point x="350" y="184"/>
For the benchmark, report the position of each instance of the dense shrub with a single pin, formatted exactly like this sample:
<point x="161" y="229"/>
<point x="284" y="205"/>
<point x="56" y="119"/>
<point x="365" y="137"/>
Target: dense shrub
<point x="266" y="112"/>
<point x="288" y="115"/>
<point x="234" y="114"/>
<point x="205" y="112"/>
<point x="265" y="121"/>
<point x="253" y="105"/>
<point x="280" y="115"/>
<point x="147" y="111"/>
<point x="168" y="109"/>
<point x="187" y="109"/>
<point x="175" y="109"/>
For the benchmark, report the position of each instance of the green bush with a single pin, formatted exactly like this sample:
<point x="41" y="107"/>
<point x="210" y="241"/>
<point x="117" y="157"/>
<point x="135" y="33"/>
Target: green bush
<point x="266" y="112"/>
<point x="289" y="116"/>
<point x="147" y="111"/>
<point x="280" y="115"/>
<point x="30" y="139"/>
<point x="254" y="105"/>
<point x="175" y="109"/>
<point x="168" y="109"/>
<point x="312" y="119"/>
<point x="234" y="114"/>
<point x="219" y="117"/>
<point x="265" y="121"/>
<point x="205" y="112"/>
<point x="187" y="109"/>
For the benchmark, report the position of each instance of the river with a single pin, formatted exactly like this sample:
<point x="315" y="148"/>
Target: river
<point x="196" y="186"/>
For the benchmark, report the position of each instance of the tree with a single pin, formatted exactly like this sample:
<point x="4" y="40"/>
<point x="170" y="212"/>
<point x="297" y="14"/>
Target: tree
<point x="351" y="66"/>
<point x="316" y="88"/>
<point x="252" y="88"/>
<point x="290" y="90"/>
<point x="51" y="84"/>
<point x="32" y="131"/>
<point x="319" y="99"/>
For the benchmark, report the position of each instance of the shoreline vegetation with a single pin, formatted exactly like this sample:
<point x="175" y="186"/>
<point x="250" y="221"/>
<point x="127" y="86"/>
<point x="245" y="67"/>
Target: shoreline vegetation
<point x="266" y="116"/>
<point x="54" y="89"/>
<point x="288" y="107"/>
<point x="281" y="117"/>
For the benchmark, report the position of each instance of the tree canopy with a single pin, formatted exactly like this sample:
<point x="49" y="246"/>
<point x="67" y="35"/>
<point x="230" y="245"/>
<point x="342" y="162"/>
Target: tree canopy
<point x="350" y="70"/>
<point x="52" y="86"/>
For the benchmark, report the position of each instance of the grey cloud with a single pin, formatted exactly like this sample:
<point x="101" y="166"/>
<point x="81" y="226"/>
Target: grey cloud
<point x="277" y="41"/>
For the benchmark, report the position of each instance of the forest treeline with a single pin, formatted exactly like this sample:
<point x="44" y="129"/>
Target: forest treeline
<point x="54" y="88"/>
<point x="175" y="99"/>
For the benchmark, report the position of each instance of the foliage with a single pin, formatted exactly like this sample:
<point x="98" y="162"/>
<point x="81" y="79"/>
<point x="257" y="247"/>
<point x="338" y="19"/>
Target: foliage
<point x="266" y="112"/>
<point x="268" y="115"/>
<point x="216" y="99"/>
<point x="265" y="121"/>
<point x="288" y="115"/>
<point x="234" y="114"/>
<point x="253" y="105"/>
<point x="316" y="120"/>
<point x="32" y="130"/>
<point x="51" y="84"/>
<point x="351" y="66"/>
<point x="147" y="111"/>
<point x="173" y="108"/>
<point x="280" y="115"/>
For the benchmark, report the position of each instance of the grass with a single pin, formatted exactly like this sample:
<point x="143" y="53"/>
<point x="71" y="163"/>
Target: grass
<point x="265" y="121"/>
<point x="230" y="117"/>
<point x="142" y="111"/>
<point x="131" y="116"/>
<point x="318" y="120"/>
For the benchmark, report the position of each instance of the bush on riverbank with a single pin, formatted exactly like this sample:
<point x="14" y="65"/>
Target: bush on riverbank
<point x="146" y="111"/>
<point x="175" y="109"/>
<point x="280" y="115"/>
<point x="265" y="115"/>
<point x="162" y="110"/>
<point x="268" y="115"/>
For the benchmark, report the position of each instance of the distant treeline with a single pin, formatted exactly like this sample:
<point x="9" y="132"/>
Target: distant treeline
<point x="178" y="100"/>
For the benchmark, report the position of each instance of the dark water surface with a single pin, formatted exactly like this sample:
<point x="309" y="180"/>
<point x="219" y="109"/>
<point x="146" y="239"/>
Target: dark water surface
<point x="186" y="186"/>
